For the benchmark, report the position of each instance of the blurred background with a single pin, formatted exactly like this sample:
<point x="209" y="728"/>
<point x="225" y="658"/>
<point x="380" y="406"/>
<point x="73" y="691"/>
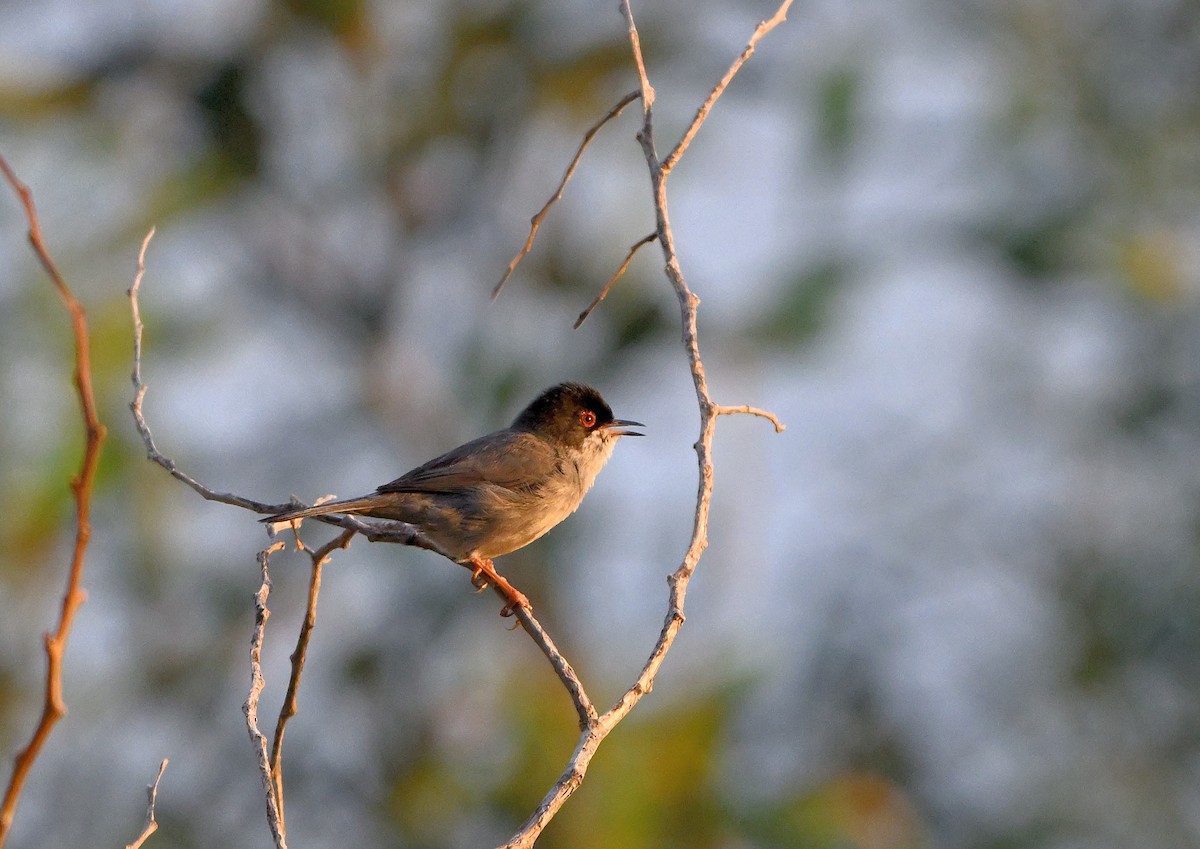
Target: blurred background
<point x="953" y="245"/>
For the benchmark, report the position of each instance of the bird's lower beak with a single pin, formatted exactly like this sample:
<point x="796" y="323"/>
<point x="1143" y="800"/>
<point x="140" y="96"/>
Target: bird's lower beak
<point x="624" y="423"/>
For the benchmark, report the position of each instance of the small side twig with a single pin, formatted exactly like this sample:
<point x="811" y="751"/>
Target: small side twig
<point x="54" y="707"/>
<point x="747" y="410"/>
<point x="151" y="800"/>
<point x="290" y="706"/>
<point x="633" y="249"/>
<point x="250" y="708"/>
<point x="536" y="221"/>
<point x="762" y="29"/>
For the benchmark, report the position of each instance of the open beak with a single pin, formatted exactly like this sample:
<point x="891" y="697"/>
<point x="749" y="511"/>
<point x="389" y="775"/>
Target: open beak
<point x="623" y="423"/>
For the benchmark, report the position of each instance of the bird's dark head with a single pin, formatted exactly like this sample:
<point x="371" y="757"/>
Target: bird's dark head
<point x="570" y="413"/>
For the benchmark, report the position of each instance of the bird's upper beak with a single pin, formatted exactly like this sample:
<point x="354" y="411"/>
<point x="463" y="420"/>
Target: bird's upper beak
<point x="623" y="423"/>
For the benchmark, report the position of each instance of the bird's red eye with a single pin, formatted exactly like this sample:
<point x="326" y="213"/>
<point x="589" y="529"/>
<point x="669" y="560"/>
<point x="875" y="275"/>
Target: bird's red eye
<point x="587" y="418"/>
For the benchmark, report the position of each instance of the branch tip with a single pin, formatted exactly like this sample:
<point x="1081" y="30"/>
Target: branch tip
<point x="535" y="222"/>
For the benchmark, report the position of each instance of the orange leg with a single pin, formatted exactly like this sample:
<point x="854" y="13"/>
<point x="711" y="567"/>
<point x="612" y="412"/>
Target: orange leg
<point x="483" y="573"/>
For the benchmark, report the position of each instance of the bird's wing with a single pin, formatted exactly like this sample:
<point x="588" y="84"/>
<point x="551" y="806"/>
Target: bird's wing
<point x="510" y="459"/>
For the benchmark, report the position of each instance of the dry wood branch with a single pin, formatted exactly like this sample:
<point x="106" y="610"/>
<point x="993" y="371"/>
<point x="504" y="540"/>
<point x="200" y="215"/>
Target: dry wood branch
<point x="290" y="706"/>
<point x="250" y="709"/>
<point x="596" y="730"/>
<point x="536" y="221"/>
<point x="762" y="29"/>
<point x="151" y="800"/>
<point x="54" y="708"/>
<point x="562" y="668"/>
<point x="747" y="410"/>
<point x="633" y="249"/>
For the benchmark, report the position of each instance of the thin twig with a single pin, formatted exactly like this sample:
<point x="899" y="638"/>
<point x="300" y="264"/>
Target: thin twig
<point x="762" y="29"/>
<point x="290" y="706"/>
<point x="536" y="221"/>
<point x="635" y="44"/>
<point x="562" y="668"/>
<point x="151" y="800"/>
<point x="250" y="709"/>
<point x="633" y="249"/>
<point x="747" y="410"/>
<point x="395" y="532"/>
<point x="53" y="707"/>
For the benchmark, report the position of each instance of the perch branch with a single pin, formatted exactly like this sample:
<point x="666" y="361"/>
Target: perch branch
<point x="151" y="800"/>
<point x="536" y="221"/>
<point x="393" y="532"/>
<point x="562" y="668"/>
<point x="53" y="707"/>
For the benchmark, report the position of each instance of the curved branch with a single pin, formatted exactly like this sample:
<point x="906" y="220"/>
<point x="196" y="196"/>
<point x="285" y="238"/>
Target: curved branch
<point x="54" y="708"/>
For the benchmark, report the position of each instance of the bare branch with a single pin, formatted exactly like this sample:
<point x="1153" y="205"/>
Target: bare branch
<point x="54" y="708"/>
<point x="151" y="800"/>
<point x="762" y="29"/>
<point x="536" y="221"/>
<point x="633" y="249"/>
<point x="564" y="670"/>
<point x="290" y="706"/>
<point x="250" y="709"/>
<point x="747" y="410"/>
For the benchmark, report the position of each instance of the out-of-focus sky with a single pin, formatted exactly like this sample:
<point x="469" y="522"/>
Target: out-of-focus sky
<point x="952" y="245"/>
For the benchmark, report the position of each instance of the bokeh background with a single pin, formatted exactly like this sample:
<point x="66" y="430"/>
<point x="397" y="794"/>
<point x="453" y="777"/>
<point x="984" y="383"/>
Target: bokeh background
<point x="953" y="244"/>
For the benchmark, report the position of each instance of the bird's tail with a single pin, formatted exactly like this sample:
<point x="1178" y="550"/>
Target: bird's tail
<point x="350" y="505"/>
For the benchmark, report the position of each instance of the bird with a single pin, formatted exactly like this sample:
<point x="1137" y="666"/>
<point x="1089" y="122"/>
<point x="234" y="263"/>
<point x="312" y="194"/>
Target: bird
<point x="500" y="492"/>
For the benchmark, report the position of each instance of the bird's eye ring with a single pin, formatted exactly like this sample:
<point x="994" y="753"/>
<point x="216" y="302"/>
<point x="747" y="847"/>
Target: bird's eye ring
<point x="587" y="418"/>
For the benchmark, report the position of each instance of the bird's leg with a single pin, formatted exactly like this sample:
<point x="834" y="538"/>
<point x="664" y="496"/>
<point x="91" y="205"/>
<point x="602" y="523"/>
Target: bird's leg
<point x="483" y="573"/>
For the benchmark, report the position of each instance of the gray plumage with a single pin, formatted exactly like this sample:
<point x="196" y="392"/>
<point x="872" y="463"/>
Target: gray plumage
<point x="502" y="491"/>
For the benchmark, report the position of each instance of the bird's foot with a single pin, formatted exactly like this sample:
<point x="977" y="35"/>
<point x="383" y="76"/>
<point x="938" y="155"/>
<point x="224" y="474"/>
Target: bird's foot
<point x="484" y="573"/>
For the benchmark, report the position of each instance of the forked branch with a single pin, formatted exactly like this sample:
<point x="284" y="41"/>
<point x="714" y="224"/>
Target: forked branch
<point x="596" y="730"/>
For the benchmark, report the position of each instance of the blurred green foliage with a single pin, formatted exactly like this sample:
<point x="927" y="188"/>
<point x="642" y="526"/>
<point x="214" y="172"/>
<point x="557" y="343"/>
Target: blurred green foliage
<point x="802" y="308"/>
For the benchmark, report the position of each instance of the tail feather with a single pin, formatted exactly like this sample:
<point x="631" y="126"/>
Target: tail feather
<point x="350" y="505"/>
